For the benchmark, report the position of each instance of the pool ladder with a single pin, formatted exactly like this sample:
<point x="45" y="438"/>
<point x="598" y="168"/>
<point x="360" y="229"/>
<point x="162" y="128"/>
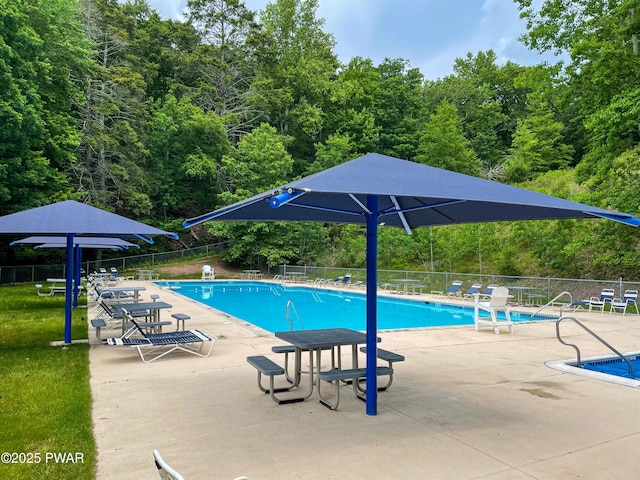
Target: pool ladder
<point x="594" y="335"/>
<point x="291" y="307"/>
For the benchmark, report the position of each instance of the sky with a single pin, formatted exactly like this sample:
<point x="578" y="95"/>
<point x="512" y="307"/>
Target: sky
<point x="430" y="34"/>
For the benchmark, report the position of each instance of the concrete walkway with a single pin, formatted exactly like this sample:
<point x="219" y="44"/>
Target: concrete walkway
<point x="464" y="405"/>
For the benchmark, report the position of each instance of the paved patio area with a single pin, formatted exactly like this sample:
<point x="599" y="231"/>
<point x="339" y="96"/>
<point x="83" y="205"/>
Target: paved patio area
<point x="464" y="405"/>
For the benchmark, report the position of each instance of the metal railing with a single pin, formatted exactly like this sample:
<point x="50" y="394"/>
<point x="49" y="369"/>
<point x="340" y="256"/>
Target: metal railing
<point x="594" y="335"/>
<point x="292" y="307"/>
<point x="552" y="302"/>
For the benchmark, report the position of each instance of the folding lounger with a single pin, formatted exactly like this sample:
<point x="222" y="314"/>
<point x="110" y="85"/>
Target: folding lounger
<point x="156" y="345"/>
<point x="167" y="473"/>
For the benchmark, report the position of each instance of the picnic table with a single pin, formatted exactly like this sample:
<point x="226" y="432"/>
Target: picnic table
<point x="148" y="275"/>
<point x="315" y="342"/>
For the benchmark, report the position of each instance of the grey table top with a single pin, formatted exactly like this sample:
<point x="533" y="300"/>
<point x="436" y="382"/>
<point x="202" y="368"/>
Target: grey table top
<point x="141" y="306"/>
<point x="322" y="338"/>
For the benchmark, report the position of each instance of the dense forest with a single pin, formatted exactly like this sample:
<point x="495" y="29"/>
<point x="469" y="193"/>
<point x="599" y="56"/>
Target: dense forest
<point x="156" y="119"/>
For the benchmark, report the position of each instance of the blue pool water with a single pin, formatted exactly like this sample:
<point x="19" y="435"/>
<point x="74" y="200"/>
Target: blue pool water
<point x="265" y="305"/>
<point x="615" y="366"/>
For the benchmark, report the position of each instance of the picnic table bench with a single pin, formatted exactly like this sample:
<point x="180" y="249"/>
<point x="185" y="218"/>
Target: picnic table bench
<point x="354" y="374"/>
<point x="271" y="369"/>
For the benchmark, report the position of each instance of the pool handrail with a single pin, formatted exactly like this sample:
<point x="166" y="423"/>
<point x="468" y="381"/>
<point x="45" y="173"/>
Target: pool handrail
<point x="291" y="305"/>
<point x="594" y="335"/>
<point x="552" y="301"/>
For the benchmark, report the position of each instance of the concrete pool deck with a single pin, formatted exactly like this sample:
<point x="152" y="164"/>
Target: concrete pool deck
<point x="464" y="405"/>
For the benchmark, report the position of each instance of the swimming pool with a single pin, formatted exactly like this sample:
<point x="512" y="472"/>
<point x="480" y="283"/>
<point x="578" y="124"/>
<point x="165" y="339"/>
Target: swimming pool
<point x="609" y="369"/>
<point x="266" y="304"/>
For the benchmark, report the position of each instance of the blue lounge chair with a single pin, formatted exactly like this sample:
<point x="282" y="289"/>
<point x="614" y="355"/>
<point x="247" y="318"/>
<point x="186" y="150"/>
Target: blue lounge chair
<point x="341" y="281"/>
<point x="630" y="297"/>
<point x="152" y="346"/>
<point x="606" y="296"/>
<point x="472" y="290"/>
<point x="486" y="293"/>
<point x="453" y="290"/>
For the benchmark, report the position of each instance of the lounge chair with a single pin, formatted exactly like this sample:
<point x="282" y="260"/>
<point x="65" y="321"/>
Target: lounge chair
<point x="116" y="317"/>
<point x="208" y="272"/>
<point x="344" y="280"/>
<point x="115" y="275"/>
<point x="472" y="290"/>
<point x="497" y="303"/>
<point x="167" y="473"/>
<point x="486" y="293"/>
<point x="630" y="297"/>
<point x="606" y="296"/>
<point x="152" y="346"/>
<point x="453" y="290"/>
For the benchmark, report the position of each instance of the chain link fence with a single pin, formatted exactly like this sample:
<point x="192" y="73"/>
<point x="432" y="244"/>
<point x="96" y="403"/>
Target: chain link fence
<point x="542" y="289"/>
<point x="532" y="289"/>
<point x="38" y="273"/>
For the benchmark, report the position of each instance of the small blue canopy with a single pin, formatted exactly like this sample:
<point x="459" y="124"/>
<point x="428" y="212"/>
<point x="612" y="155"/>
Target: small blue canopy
<point x="83" y="242"/>
<point x="379" y="190"/>
<point x="70" y="219"/>
<point x="75" y="218"/>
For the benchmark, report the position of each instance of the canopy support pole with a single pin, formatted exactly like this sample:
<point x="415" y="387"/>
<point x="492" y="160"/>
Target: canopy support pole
<point x="68" y="296"/>
<point x="372" y="305"/>
<point x="76" y="273"/>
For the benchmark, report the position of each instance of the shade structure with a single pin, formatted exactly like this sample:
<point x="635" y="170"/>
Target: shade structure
<point x="79" y="243"/>
<point x="70" y="219"/>
<point x="83" y="242"/>
<point x="380" y="190"/>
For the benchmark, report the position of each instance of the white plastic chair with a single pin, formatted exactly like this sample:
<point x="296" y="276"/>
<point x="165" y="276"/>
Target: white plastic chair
<point x="630" y="298"/>
<point x="498" y="302"/>
<point x="208" y="272"/>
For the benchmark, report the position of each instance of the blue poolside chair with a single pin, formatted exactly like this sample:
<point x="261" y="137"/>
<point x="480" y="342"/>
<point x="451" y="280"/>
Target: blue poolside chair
<point x="486" y="293"/>
<point x="344" y="280"/>
<point x="453" y="290"/>
<point x="152" y="346"/>
<point x="606" y="296"/>
<point x="472" y="290"/>
<point x="630" y="298"/>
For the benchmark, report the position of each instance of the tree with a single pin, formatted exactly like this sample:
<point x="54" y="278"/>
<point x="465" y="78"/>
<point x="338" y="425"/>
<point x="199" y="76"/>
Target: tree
<point x="537" y="144"/>
<point x="399" y="108"/>
<point x="38" y="133"/>
<point x="601" y="39"/>
<point x="296" y="69"/>
<point x="336" y="150"/>
<point x="109" y="168"/>
<point x="186" y="147"/>
<point x="353" y="105"/>
<point x="443" y="145"/>
<point x="226" y="62"/>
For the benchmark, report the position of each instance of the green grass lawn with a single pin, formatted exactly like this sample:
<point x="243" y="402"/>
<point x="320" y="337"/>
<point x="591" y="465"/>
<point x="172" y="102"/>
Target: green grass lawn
<point x="45" y="397"/>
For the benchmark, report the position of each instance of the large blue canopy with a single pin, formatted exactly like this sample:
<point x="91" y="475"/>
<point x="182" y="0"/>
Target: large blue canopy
<point x="70" y="219"/>
<point x="379" y="190"/>
<point x="420" y="194"/>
